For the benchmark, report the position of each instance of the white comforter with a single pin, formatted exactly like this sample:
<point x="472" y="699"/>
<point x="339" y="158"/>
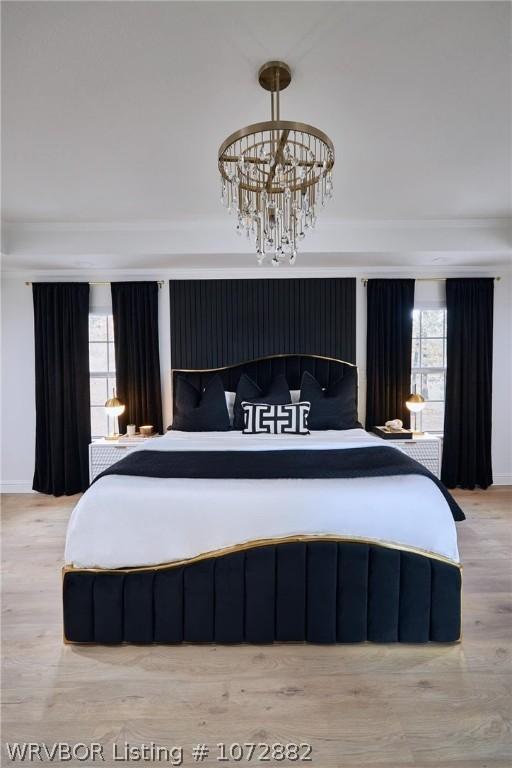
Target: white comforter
<point x="133" y="521"/>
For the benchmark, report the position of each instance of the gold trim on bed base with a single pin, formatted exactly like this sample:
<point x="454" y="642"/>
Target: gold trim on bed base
<point x="264" y="543"/>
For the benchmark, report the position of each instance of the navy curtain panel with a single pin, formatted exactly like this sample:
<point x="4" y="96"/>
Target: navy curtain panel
<point x="390" y="304"/>
<point x="468" y="406"/>
<point x="135" y="311"/>
<point x="63" y="417"/>
<point x="225" y="322"/>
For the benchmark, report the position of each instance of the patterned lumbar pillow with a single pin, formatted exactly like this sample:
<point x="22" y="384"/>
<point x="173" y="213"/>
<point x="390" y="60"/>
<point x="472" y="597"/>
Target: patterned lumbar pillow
<point x="275" y="419"/>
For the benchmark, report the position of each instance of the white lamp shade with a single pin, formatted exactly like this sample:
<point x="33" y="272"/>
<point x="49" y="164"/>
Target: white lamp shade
<point x="113" y="406"/>
<point x="415" y="403"/>
<point x="114" y="410"/>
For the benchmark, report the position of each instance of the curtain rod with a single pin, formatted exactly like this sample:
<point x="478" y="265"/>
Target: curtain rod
<point x="364" y="280"/>
<point x="104" y="282"/>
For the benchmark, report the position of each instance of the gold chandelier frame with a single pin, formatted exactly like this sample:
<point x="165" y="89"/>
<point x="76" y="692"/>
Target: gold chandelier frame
<point x="284" y="127"/>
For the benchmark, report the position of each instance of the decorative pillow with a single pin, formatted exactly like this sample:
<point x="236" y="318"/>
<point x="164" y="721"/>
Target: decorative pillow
<point x="295" y="395"/>
<point x="198" y="411"/>
<point x="248" y="391"/>
<point x="334" y="407"/>
<point x="275" y="419"/>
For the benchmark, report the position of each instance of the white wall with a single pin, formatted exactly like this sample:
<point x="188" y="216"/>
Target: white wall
<point x="502" y="383"/>
<point x="18" y="384"/>
<point x="17" y="401"/>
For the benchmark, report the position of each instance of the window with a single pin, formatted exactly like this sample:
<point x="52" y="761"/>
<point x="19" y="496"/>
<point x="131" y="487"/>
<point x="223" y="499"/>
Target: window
<point x="428" y="372"/>
<point x="102" y="366"/>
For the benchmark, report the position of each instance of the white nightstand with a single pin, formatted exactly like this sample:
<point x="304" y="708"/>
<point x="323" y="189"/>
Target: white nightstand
<point x="103" y="453"/>
<point x="426" y="449"/>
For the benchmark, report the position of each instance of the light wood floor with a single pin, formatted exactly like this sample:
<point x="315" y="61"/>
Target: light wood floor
<point x="358" y="706"/>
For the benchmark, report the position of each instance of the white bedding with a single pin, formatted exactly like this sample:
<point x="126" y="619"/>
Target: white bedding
<point x="133" y="521"/>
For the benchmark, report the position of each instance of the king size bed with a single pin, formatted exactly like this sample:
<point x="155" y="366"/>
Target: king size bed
<point x="241" y="535"/>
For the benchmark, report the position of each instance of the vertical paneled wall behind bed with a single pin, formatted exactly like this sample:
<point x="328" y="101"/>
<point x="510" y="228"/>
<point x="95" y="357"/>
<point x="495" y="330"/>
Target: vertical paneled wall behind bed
<point x="224" y="322"/>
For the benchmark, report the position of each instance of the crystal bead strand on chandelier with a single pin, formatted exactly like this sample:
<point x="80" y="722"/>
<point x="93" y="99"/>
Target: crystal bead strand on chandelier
<point x="275" y="175"/>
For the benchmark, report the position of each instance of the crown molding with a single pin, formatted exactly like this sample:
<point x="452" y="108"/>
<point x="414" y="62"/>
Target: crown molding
<point x="127" y="244"/>
<point x="162" y="225"/>
<point x="282" y="273"/>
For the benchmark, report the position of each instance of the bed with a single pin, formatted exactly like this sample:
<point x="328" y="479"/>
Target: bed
<point x="211" y="537"/>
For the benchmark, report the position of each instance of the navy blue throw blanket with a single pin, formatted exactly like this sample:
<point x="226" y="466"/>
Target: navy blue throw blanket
<point x="309" y="464"/>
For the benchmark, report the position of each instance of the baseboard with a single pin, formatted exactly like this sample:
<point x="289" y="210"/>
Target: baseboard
<point x="502" y="478"/>
<point x="16" y="488"/>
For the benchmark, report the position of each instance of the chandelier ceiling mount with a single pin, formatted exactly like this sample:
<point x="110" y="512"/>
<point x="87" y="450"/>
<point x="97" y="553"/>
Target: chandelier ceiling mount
<point x="275" y="76"/>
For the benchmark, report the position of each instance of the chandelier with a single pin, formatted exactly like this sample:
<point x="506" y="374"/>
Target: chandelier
<point x="275" y="174"/>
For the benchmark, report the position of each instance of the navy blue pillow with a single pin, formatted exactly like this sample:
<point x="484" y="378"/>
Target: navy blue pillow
<point x="334" y="407"/>
<point x="248" y="391"/>
<point x="197" y="411"/>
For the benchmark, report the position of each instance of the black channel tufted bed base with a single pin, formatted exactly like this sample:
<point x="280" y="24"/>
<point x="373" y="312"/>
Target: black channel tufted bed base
<point x="321" y="591"/>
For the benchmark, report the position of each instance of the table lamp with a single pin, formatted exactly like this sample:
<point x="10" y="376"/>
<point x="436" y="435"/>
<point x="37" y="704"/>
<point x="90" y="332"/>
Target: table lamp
<point x="415" y="403"/>
<point x="114" y="408"/>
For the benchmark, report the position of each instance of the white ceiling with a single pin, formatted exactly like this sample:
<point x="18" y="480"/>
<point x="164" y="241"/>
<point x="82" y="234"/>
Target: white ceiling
<point x="113" y="113"/>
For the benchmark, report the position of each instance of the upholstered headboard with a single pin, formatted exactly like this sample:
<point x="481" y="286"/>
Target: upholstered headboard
<point x="264" y="369"/>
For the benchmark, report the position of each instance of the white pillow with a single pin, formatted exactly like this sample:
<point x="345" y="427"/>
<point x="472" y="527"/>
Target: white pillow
<point x="230" y="402"/>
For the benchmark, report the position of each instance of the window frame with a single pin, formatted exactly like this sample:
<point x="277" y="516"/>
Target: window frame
<point x="108" y="374"/>
<point x="421" y="370"/>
